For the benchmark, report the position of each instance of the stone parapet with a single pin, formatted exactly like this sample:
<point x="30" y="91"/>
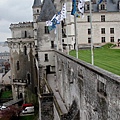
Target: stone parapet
<point x="21" y="24"/>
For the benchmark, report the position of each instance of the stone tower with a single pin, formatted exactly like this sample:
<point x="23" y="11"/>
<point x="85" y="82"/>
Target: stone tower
<point x="23" y="75"/>
<point x="36" y="12"/>
<point x="46" y="41"/>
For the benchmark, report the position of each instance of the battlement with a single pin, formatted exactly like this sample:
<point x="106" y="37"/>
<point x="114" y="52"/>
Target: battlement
<point x="21" y="24"/>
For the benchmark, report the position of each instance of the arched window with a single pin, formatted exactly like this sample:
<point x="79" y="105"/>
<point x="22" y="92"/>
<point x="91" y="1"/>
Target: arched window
<point x="25" y="50"/>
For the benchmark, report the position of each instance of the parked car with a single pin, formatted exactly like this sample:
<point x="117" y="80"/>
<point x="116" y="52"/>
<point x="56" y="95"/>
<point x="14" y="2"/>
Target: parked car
<point x="3" y="107"/>
<point x="26" y="105"/>
<point x="28" y="110"/>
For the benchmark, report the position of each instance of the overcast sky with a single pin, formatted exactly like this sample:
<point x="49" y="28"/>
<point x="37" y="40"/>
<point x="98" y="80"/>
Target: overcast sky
<point x="13" y="11"/>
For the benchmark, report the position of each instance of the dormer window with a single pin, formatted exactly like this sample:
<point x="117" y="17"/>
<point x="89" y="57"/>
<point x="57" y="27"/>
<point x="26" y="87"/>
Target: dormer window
<point x="102" y="7"/>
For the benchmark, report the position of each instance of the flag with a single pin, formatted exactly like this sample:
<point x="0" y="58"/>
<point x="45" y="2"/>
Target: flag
<point x="52" y="23"/>
<point x="51" y="27"/>
<point x="100" y="1"/>
<point x="57" y="18"/>
<point x="73" y="7"/>
<point x="61" y="14"/>
<point x="48" y="23"/>
<point x="81" y="7"/>
<point x="64" y="11"/>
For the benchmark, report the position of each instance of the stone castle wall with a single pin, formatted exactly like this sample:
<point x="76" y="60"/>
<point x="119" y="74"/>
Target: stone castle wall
<point x="95" y="91"/>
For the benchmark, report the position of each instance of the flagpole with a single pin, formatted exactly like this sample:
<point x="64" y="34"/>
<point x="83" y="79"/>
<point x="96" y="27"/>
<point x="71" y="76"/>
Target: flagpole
<point x="92" y="54"/>
<point x="56" y="32"/>
<point x="67" y="37"/>
<point x="76" y="40"/>
<point x="67" y="29"/>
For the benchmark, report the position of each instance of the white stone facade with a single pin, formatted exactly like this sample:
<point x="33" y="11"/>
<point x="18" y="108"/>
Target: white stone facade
<point x="112" y="20"/>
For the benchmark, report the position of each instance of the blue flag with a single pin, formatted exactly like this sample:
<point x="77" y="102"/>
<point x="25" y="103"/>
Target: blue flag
<point x="100" y="1"/>
<point x="73" y="7"/>
<point x="51" y="27"/>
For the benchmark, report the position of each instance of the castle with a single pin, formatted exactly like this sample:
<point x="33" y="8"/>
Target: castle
<point x="66" y="88"/>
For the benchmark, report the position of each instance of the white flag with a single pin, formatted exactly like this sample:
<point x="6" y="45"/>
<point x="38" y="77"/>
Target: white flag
<point x="81" y="7"/>
<point x="48" y="23"/>
<point x="63" y="11"/>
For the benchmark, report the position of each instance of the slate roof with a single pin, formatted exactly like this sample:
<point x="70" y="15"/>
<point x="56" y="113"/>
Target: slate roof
<point x="37" y="3"/>
<point x="47" y="12"/>
<point x="111" y="5"/>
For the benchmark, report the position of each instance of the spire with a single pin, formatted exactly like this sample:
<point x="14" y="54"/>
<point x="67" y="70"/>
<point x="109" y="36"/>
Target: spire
<point x="37" y="3"/>
<point x="48" y="11"/>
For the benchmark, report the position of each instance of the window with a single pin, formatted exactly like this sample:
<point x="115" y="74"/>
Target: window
<point x="111" y="39"/>
<point x="37" y="11"/>
<point x="46" y="30"/>
<point x="52" y="44"/>
<point x="25" y="50"/>
<point x="102" y="30"/>
<point x="25" y="34"/>
<point x="111" y="30"/>
<point x="89" y="31"/>
<point x="102" y="7"/>
<point x="88" y="18"/>
<point x="46" y="57"/>
<point x="28" y="78"/>
<point x="89" y="40"/>
<point x="101" y="88"/>
<point x="103" y="39"/>
<point x="102" y="18"/>
<point x="88" y="7"/>
<point x="18" y="66"/>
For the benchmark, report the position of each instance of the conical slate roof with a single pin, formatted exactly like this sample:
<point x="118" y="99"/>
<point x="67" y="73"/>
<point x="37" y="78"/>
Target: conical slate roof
<point x="37" y="3"/>
<point x="47" y="12"/>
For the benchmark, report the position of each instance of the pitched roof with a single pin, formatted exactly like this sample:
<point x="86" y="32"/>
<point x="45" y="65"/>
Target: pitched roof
<point x="37" y="3"/>
<point x="111" y="5"/>
<point x="47" y="12"/>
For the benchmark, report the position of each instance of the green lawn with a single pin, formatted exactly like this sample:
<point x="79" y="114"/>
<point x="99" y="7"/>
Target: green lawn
<point x="29" y="117"/>
<point x="104" y="57"/>
<point x="6" y="94"/>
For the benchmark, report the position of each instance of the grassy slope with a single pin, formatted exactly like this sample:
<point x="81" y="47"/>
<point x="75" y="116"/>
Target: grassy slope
<point x="108" y="59"/>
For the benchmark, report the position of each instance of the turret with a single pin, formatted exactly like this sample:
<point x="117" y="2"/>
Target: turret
<point x="36" y="9"/>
